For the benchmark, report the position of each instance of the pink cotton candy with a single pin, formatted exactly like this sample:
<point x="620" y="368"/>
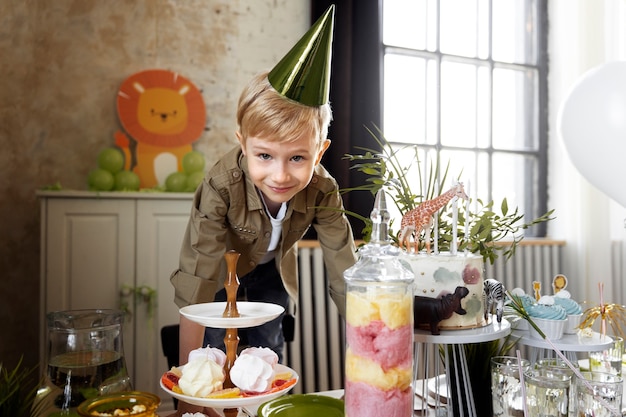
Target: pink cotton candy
<point x="363" y="400"/>
<point x="382" y="345"/>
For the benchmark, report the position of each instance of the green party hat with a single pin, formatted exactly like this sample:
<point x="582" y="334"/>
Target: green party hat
<point x="303" y="74"/>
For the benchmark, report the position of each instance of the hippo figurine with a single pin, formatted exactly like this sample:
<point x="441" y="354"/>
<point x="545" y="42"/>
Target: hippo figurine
<point x="431" y="311"/>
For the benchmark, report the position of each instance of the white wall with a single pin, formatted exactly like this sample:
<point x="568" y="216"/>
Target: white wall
<point x="583" y="34"/>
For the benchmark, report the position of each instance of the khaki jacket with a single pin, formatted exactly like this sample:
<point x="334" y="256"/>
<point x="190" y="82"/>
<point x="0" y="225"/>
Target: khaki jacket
<point x="228" y="214"/>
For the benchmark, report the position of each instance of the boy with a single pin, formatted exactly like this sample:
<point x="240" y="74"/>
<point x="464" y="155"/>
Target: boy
<point x="262" y="197"/>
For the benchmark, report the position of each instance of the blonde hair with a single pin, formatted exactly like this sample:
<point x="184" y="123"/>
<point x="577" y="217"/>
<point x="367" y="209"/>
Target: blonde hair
<point x="263" y="112"/>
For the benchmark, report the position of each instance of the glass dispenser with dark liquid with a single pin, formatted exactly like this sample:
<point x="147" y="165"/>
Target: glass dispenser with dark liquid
<point x="85" y="358"/>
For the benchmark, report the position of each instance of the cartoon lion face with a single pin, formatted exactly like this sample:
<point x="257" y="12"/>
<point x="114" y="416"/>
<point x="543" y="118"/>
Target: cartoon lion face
<point x="161" y="108"/>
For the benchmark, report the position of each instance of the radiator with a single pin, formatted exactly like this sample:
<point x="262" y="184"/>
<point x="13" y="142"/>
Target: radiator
<point x="317" y="351"/>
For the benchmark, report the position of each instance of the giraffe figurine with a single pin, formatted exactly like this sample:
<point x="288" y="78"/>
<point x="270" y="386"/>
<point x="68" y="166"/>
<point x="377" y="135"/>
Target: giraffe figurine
<point x="421" y="218"/>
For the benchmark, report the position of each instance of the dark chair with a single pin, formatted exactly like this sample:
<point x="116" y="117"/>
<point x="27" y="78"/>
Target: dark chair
<point x="169" y="343"/>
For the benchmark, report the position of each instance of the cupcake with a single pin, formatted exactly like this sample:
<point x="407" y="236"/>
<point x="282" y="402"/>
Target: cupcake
<point x="549" y="317"/>
<point x="572" y="308"/>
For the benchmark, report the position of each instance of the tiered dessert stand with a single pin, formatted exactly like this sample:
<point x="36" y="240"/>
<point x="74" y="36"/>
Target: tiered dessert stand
<point x="232" y="315"/>
<point x="570" y="345"/>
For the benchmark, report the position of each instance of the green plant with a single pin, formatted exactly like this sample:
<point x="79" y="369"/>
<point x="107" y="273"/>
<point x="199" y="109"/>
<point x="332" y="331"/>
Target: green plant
<point x="386" y="167"/>
<point x="18" y="390"/>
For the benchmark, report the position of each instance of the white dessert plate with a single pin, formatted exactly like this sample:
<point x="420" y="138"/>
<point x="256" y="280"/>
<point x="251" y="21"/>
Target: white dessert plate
<point x="238" y="401"/>
<point x="250" y="314"/>
<point x="438" y="386"/>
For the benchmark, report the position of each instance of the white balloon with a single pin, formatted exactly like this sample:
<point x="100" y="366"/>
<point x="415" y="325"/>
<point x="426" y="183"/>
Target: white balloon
<point x="592" y="125"/>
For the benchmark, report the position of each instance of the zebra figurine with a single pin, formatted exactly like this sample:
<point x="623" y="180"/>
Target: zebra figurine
<point x="494" y="297"/>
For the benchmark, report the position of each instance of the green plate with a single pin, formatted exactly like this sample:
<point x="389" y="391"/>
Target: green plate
<point x="302" y="405"/>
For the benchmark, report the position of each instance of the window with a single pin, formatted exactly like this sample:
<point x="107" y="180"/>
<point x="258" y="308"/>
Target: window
<point x="466" y="81"/>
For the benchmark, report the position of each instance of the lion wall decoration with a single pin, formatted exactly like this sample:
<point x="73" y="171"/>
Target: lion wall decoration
<point x="162" y="114"/>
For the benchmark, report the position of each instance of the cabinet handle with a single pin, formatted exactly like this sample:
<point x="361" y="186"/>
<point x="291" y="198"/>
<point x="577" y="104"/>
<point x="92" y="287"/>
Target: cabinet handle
<point x="142" y="294"/>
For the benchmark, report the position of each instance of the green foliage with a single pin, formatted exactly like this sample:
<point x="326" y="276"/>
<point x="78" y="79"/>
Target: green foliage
<point x="18" y="390"/>
<point x="384" y="167"/>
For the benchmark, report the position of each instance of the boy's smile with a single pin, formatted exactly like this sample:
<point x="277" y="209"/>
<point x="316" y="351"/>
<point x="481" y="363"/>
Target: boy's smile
<point x="281" y="169"/>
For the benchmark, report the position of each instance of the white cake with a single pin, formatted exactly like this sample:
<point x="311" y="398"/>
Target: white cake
<point x="440" y="274"/>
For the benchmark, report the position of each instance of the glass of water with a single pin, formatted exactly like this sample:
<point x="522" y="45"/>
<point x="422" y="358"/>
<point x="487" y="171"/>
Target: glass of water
<point x="547" y="391"/>
<point x="506" y="387"/>
<point x="608" y="360"/>
<point x="597" y="394"/>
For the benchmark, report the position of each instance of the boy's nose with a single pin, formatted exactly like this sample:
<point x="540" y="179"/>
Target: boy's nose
<point x="281" y="173"/>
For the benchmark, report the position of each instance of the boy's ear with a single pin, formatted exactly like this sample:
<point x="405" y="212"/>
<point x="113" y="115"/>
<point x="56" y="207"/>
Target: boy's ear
<point x="323" y="147"/>
<point x="241" y="141"/>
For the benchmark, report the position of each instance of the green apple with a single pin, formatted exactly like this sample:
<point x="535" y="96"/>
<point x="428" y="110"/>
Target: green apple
<point x="100" y="180"/>
<point x="176" y="182"/>
<point x="193" y="162"/>
<point x="111" y="159"/>
<point x="126" y="181"/>
<point x="193" y="181"/>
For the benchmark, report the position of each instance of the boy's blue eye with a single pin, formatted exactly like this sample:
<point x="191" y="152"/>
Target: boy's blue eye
<point x="297" y="158"/>
<point x="264" y="156"/>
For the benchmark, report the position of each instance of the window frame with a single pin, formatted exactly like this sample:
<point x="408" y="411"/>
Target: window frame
<point x="536" y="197"/>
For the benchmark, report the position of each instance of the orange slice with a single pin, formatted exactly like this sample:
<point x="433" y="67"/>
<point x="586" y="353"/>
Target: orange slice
<point x="283" y="375"/>
<point x="225" y="393"/>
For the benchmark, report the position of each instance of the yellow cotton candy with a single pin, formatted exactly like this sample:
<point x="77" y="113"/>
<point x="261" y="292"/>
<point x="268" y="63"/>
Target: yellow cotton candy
<point x="397" y="311"/>
<point x="360" y="310"/>
<point x="359" y="369"/>
<point x="393" y="310"/>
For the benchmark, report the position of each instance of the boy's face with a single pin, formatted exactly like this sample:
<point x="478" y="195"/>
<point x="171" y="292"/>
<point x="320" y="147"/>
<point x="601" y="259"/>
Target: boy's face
<point x="282" y="169"/>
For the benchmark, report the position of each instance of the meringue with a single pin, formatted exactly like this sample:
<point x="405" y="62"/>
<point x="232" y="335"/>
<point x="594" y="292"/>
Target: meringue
<point x="201" y="377"/>
<point x="267" y="354"/>
<point x="208" y="352"/>
<point x="252" y="373"/>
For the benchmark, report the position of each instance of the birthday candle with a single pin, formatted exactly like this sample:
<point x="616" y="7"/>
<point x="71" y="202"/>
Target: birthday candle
<point x="455" y="217"/>
<point x="467" y="209"/>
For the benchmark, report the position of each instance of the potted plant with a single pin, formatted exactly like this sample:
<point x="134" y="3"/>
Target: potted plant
<point x="18" y="391"/>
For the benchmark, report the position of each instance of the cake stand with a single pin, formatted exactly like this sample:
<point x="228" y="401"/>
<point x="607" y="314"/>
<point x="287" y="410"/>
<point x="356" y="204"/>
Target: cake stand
<point x="569" y="344"/>
<point x="232" y="315"/>
<point x="441" y="385"/>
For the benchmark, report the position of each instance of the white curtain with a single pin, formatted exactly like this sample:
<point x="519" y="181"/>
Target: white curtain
<point x="584" y="34"/>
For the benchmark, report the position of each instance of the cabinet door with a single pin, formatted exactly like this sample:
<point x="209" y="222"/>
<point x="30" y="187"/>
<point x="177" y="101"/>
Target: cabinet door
<point x="89" y="253"/>
<point x="161" y="225"/>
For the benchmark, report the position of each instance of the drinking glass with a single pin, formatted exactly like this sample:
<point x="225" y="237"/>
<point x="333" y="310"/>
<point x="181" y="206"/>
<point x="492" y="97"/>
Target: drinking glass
<point x="597" y="394"/>
<point x="608" y="360"/>
<point x="506" y="388"/>
<point x="547" y="391"/>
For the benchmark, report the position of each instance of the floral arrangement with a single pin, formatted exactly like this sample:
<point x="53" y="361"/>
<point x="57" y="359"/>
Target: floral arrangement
<point x="478" y="231"/>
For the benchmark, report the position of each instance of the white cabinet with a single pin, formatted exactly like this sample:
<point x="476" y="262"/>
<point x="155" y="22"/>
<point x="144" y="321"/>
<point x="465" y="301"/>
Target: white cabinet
<point x="93" y="245"/>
